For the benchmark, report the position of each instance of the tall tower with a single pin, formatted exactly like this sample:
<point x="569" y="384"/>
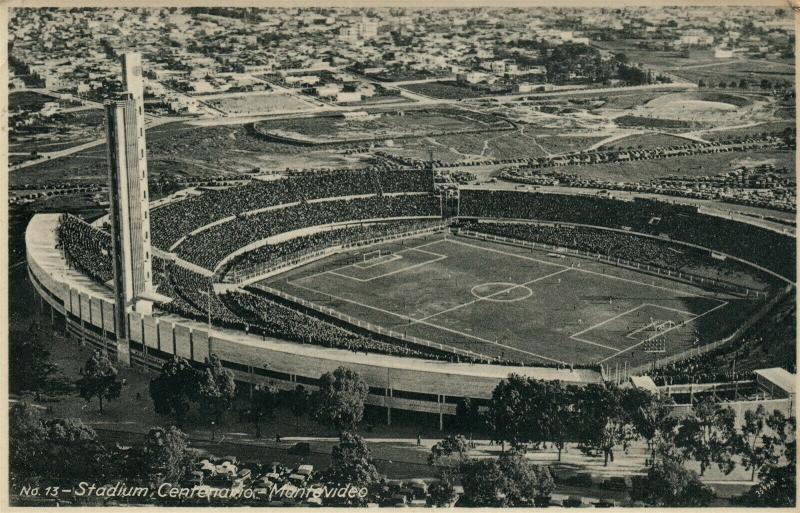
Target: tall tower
<point x="130" y="212"/>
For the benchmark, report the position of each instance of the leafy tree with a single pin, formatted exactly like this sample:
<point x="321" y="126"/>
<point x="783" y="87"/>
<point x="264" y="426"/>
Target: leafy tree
<point x="215" y="392"/>
<point x="72" y="452"/>
<point x="340" y="400"/>
<point x="468" y="415"/>
<point x="351" y="463"/>
<point x="507" y="410"/>
<point x="654" y="421"/>
<point x="520" y="479"/>
<point x="441" y="494"/>
<point x="777" y="484"/>
<point x="29" y="367"/>
<point x="605" y="417"/>
<point x="263" y="404"/>
<point x="166" y="457"/>
<point x="448" y="454"/>
<point x="173" y="390"/>
<point x="708" y="436"/>
<point x="753" y="450"/>
<point x="669" y="483"/>
<point x="551" y="413"/>
<point x="99" y="379"/>
<point x="26" y="438"/>
<point x="299" y="401"/>
<point x="484" y="482"/>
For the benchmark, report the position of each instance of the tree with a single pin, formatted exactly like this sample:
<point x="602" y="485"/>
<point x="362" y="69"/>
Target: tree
<point x="701" y="83"/>
<point x="708" y="436"/>
<point x="484" y="482"/>
<point x="441" y="493"/>
<point x="340" y="400"/>
<point x="215" y="392"/>
<point x="507" y="410"/>
<point x="753" y="450"/>
<point x="351" y="464"/>
<point x="519" y="479"/>
<point x="173" y="390"/>
<point x="551" y="414"/>
<point x="299" y="401"/>
<point x="72" y="452"/>
<point x="654" y="421"/>
<point x="669" y="483"/>
<point x="29" y="367"/>
<point x="166" y="457"/>
<point x="263" y="404"/>
<point x="777" y="486"/>
<point x="448" y="454"/>
<point x="99" y="379"/>
<point x="468" y="415"/>
<point x="605" y="417"/>
<point x="26" y="438"/>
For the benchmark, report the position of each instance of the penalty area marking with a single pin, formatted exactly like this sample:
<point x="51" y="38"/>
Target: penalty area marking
<point x="383" y="259"/>
<point x="432" y="325"/>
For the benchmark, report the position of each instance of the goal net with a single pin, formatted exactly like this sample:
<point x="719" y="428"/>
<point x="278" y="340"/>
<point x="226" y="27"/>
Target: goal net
<point x="372" y="255"/>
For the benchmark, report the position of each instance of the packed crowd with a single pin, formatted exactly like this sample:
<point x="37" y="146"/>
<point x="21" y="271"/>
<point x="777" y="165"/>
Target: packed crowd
<point x="85" y="247"/>
<point x="265" y="316"/>
<point x="209" y="247"/>
<point x="273" y="254"/>
<point x="764" y="247"/>
<point x="760" y="186"/>
<point x="767" y="343"/>
<point x="175" y="220"/>
<point x="613" y="244"/>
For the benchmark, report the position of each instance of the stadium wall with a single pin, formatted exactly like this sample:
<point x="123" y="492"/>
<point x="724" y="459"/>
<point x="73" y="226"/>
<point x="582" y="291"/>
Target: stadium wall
<point x="395" y="382"/>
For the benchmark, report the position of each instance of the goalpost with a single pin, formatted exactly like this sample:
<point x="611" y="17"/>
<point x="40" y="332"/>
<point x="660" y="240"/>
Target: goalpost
<point x="372" y="255"/>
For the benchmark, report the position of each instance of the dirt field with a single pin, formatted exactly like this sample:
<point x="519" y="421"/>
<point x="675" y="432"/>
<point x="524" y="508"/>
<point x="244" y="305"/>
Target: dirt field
<point x="267" y="103"/>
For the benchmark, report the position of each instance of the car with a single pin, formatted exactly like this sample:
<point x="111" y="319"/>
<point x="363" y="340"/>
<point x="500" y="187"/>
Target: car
<point x="300" y="448"/>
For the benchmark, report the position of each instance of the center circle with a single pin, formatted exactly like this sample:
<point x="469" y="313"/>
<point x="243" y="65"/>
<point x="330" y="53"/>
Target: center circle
<point x="501" y="291"/>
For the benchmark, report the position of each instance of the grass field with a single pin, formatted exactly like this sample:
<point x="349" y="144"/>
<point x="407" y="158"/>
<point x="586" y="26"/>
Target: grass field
<point x="523" y="305"/>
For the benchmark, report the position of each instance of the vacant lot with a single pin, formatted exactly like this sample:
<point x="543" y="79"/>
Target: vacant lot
<point x="386" y="125"/>
<point x="258" y="104"/>
<point x="507" y="302"/>
<point x="32" y="101"/>
<point x="776" y="127"/>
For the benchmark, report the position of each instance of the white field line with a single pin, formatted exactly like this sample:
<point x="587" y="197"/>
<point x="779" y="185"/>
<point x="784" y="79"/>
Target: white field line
<point x="590" y="328"/>
<point x="687" y="321"/>
<point x="508" y="289"/>
<point x="350" y="265"/>
<point x="395" y="314"/>
<point x="573" y="337"/>
<point x="401" y="270"/>
<point x="380" y="261"/>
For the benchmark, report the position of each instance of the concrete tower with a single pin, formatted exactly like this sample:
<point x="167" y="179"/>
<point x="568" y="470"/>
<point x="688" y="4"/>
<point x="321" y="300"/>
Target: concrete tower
<point x="130" y="212"/>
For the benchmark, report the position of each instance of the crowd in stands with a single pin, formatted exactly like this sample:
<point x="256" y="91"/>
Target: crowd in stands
<point x="767" y="343"/>
<point x="635" y="248"/>
<point x="267" y="317"/>
<point x="209" y="247"/>
<point x="85" y="247"/>
<point x="272" y="254"/>
<point x="772" y="250"/>
<point x="175" y="220"/>
<point x="759" y="186"/>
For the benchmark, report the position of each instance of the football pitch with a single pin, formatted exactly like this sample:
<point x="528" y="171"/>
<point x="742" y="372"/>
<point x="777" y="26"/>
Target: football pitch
<point x="509" y="302"/>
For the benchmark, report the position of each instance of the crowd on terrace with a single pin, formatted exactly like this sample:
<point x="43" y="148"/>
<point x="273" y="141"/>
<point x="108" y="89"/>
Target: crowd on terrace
<point x="209" y="247"/>
<point x="175" y="220"/>
<point x="85" y="248"/>
<point x="274" y="254"/>
<point x="609" y="243"/>
<point x="761" y="246"/>
<point x="767" y="343"/>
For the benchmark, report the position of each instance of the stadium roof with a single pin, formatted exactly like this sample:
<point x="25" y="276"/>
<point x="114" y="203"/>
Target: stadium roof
<point x="779" y="377"/>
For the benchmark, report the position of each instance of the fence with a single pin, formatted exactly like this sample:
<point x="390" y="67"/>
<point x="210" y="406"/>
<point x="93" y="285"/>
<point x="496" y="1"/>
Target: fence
<point x="689" y="278"/>
<point x="373" y="327"/>
<point x="697" y="351"/>
<point x="265" y="268"/>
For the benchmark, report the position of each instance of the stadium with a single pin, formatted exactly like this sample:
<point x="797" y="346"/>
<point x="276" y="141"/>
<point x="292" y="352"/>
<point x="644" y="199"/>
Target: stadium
<point x="433" y="296"/>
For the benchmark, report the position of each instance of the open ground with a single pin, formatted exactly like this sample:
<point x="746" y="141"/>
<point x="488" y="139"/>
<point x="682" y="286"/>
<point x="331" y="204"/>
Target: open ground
<point x="515" y="303"/>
